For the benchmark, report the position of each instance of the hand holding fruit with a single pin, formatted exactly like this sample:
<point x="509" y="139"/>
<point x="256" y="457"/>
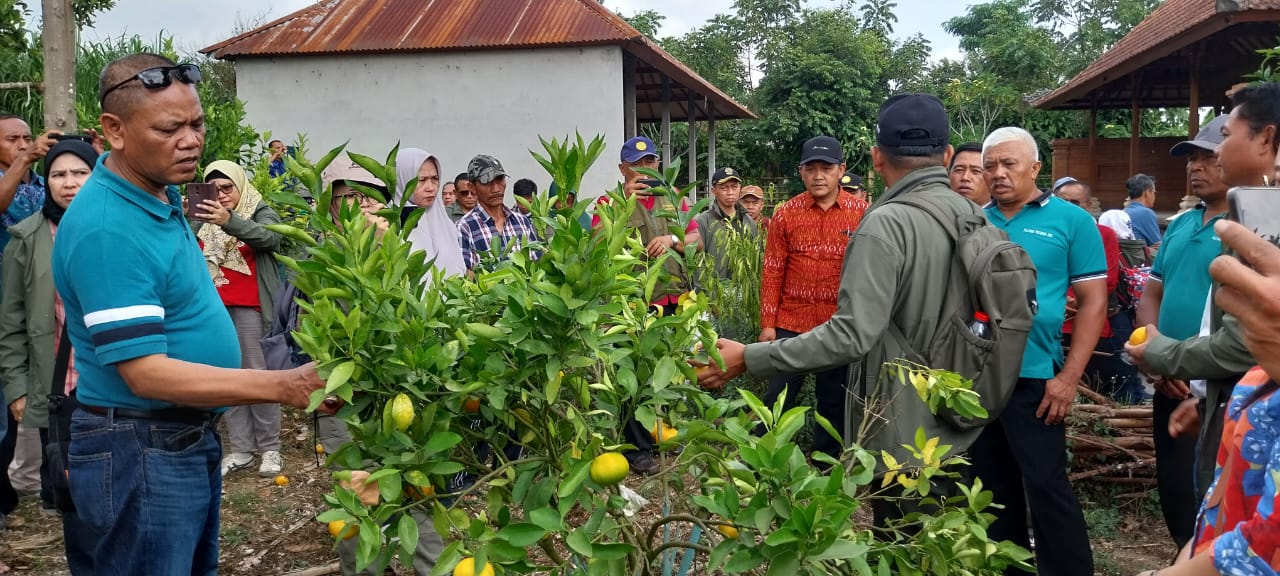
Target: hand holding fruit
<point x="1136" y="347"/>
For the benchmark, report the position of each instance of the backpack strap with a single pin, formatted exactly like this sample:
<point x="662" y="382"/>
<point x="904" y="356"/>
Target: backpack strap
<point x="956" y="284"/>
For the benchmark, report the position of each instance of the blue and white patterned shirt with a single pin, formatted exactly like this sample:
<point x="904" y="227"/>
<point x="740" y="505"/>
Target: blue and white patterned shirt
<point x="478" y="230"/>
<point x="28" y="200"/>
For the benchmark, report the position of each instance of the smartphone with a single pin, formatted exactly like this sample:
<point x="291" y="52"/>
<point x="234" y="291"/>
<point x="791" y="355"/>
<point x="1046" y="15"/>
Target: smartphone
<point x="652" y="183"/>
<point x="1256" y="208"/>
<point x="80" y="137"/>
<point x="197" y="193"/>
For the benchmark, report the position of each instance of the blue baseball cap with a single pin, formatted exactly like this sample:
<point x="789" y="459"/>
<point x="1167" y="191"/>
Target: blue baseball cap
<point x="637" y="148"/>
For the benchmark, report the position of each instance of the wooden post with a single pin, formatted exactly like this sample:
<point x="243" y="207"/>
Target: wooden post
<point x="693" y="150"/>
<point x="1193" y="121"/>
<point x="1135" y="130"/>
<point x="59" y="43"/>
<point x="711" y="143"/>
<point x="1092" y="175"/>
<point x="629" y="128"/>
<point x="666" y="118"/>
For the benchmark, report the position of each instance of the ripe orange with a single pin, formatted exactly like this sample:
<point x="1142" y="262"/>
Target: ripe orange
<point x="1139" y="336"/>
<point x="729" y="531"/>
<point x="282" y="480"/>
<point x="340" y="527"/>
<point x="664" y="433"/>
<point x="467" y="567"/>
<point x="471" y="405"/>
<point x="609" y="468"/>
<point x="319" y="448"/>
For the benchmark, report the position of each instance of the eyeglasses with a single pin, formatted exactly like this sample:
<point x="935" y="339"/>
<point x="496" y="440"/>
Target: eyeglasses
<point x="464" y="192"/>
<point x="160" y="77"/>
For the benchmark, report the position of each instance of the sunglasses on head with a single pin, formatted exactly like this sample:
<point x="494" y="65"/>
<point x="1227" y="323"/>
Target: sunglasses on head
<point x="160" y="77"/>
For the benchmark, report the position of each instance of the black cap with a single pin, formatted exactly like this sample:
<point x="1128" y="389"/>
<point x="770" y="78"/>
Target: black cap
<point x="850" y="180"/>
<point x="724" y="175"/>
<point x="75" y="146"/>
<point x="822" y="149"/>
<point x="913" y="125"/>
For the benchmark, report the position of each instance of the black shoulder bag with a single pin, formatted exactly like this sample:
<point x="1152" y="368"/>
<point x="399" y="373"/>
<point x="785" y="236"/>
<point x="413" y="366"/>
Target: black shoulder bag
<point x="61" y="406"/>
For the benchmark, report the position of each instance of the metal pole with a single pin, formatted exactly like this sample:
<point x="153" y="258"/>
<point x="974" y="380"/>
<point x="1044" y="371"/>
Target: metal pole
<point x="666" y="118"/>
<point x="693" y="151"/>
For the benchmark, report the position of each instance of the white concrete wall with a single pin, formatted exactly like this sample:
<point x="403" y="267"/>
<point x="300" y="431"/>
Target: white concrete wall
<point x="454" y="105"/>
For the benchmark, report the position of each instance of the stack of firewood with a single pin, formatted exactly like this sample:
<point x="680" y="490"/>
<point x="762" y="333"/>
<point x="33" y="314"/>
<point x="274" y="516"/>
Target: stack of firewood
<point x="1111" y="443"/>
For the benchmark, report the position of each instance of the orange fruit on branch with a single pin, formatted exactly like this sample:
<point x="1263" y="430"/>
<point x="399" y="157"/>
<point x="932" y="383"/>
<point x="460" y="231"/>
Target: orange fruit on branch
<point x="609" y="468"/>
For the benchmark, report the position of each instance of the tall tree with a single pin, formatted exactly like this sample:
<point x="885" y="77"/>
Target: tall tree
<point x="829" y="79"/>
<point x="59" y="42"/>
<point x="878" y="15"/>
<point x="648" y="22"/>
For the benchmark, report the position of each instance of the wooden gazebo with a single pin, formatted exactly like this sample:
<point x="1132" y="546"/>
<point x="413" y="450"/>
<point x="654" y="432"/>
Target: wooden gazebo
<point x="1187" y="53"/>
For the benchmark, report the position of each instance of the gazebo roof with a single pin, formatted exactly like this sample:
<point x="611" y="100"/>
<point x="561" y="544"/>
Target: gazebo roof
<point x="1218" y="39"/>
<point x="334" y="27"/>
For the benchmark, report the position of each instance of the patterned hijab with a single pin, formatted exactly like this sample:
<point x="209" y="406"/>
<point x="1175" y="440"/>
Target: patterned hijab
<point x="222" y="250"/>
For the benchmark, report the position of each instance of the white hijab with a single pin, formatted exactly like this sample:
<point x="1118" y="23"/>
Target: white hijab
<point x="435" y="233"/>
<point x="1119" y="221"/>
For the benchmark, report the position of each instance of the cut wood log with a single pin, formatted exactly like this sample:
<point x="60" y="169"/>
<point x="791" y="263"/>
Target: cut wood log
<point x="317" y="570"/>
<point x="1127" y="422"/>
<point x="1112" y="469"/>
<point x="1094" y="410"/>
<point x="1126" y="480"/>
<point x="1094" y="396"/>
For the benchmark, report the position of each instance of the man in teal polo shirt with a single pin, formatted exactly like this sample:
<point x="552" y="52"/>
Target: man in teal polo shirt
<point x="1174" y="301"/>
<point x="156" y="351"/>
<point x="1021" y="457"/>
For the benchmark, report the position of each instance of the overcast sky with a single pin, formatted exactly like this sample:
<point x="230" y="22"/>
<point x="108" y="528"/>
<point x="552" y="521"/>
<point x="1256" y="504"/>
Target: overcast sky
<point x="199" y="23"/>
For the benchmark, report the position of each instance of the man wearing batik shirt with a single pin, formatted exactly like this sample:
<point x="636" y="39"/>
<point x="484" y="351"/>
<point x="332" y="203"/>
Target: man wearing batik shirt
<point x="492" y="226"/>
<point x="803" y="256"/>
<point x="21" y="189"/>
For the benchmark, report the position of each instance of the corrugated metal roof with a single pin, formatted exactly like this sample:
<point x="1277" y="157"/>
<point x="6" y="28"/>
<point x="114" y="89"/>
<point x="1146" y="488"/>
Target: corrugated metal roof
<point x="344" y="26"/>
<point x="1170" y="27"/>
<point x="385" y="26"/>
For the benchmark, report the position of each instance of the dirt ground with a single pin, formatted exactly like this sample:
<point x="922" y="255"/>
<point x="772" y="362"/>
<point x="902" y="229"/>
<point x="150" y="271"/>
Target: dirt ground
<point x="271" y="530"/>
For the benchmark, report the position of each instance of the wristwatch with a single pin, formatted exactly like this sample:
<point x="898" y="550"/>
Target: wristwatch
<point x="675" y="240"/>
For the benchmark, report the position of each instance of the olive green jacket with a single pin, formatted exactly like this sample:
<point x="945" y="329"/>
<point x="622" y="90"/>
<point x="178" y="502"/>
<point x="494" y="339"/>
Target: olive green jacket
<point x="27" y="324"/>
<point x="1220" y="359"/>
<point x="711" y="221"/>
<point x="896" y="270"/>
<point x="265" y="244"/>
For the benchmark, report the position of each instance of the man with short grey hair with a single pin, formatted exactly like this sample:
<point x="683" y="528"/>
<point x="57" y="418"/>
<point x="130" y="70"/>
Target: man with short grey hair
<point x="1021" y="457"/>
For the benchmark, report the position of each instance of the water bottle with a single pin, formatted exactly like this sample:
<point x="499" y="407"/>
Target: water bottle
<point x="979" y="325"/>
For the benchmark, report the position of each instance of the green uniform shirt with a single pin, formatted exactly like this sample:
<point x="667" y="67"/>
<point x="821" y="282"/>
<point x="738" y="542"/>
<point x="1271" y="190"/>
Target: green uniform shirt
<point x="1063" y="242"/>
<point x="1182" y="268"/>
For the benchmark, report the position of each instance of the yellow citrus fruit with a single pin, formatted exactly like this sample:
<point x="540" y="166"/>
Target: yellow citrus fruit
<point x="340" y="527"/>
<point x="663" y="433"/>
<point x="319" y="448"/>
<point x="467" y="567"/>
<point x="402" y="411"/>
<point x="729" y="531"/>
<point x="471" y="405"/>
<point x="282" y="480"/>
<point x="1139" y="336"/>
<point x="419" y="485"/>
<point x="609" y="468"/>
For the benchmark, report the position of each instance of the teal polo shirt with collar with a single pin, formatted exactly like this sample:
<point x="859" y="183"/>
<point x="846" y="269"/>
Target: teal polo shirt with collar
<point x="134" y="283"/>
<point x="1182" y="268"/>
<point x="1064" y="244"/>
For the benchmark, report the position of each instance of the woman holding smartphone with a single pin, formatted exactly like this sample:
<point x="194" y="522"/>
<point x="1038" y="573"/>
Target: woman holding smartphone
<point x="239" y="251"/>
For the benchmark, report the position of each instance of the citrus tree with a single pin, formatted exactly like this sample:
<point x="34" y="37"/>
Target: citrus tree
<point x="521" y="378"/>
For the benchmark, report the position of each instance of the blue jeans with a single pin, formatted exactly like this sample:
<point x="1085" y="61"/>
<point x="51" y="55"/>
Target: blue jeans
<point x="150" y="489"/>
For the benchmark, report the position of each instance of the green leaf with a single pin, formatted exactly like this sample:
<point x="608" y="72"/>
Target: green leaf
<point x="408" y="532"/>
<point x="546" y="518"/>
<point x="611" y="551"/>
<point x="522" y="534"/>
<point x="574" y="479"/>
<point x="579" y="542"/>
<point x="339" y="376"/>
<point x="840" y="550"/>
<point x="663" y="373"/>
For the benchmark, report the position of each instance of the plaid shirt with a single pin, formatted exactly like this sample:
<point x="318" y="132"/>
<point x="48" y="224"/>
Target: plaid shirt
<point x="60" y="318"/>
<point x="27" y="200"/>
<point x="478" y="230"/>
